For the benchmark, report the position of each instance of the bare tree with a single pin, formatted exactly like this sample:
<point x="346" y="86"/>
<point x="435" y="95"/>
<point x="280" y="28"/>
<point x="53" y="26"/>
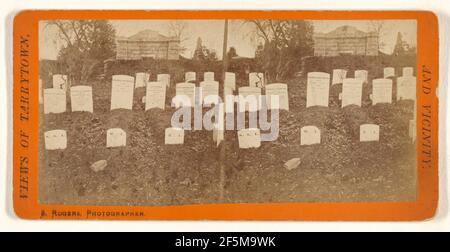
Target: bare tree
<point x="377" y="26"/>
<point x="177" y="29"/>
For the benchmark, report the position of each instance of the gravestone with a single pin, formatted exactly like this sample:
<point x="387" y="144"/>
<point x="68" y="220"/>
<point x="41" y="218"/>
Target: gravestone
<point x="406" y="88"/>
<point x="174" y="136"/>
<point x="381" y="91"/>
<point x="142" y="79"/>
<point x="164" y="78"/>
<point x="41" y="95"/>
<point x="55" y="140"/>
<point x="116" y="137"/>
<point x="309" y="135"/>
<point x="249" y="99"/>
<point x="362" y="75"/>
<point x="280" y="90"/>
<point x="208" y="76"/>
<point x="122" y="92"/>
<point x="229" y="105"/>
<point x="256" y="80"/>
<point x="388" y="72"/>
<point x="338" y="76"/>
<point x="54" y="101"/>
<point x="190" y="76"/>
<point x="81" y="99"/>
<point x="155" y="96"/>
<point x="211" y="89"/>
<point x="317" y="89"/>
<point x="351" y="92"/>
<point x="249" y="138"/>
<point x="412" y="130"/>
<point x="230" y="80"/>
<point x="188" y="91"/>
<point x="60" y="81"/>
<point x="408" y="71"/>
<point x="369" y="133"/>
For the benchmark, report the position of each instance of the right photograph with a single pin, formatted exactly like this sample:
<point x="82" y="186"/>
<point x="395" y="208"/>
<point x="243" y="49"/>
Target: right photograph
<point x="181" y="112"/>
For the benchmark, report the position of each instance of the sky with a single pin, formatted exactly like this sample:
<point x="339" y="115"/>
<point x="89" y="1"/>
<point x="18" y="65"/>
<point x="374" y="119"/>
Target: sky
<point x="241" y="35"/>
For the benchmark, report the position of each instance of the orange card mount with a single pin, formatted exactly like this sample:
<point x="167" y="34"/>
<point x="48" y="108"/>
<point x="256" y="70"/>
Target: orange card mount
<point x="162" y="115"/>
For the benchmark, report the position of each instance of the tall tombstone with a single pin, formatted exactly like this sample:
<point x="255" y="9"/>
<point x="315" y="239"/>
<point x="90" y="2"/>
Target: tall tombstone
<point x="122" y="92"/>
<point x="352" y="92"/>
<point x="249" y="99"/>
<point x="362" y="75"/>
<point x="209" y="89"/>
<point x="280" y="90"/>
<point x="381" y="91"/>
<point x="406" y="88"/>
<point x="188" y="91"/>
<point x="219" y="128"/>
<point x="317" y="89"/>
<point x="338" y="76"/>
<point x="60" y="81"/>
<point x="412" y="130"/>
<point x="41" y="95"/>
<point x="164" y="78"/>
<point x="174" y="136"/>
<point x="208" y="76"/>
<point x="229" y="103"/>
<point x="249" y="138"/>
<point x="142" y="79"/>
<point x="369" y="133"/>
<point x="55" y="140"/>
<point x="54" y="101"/>
<point x="81" y="99"/>
<point x="190" y="76"/>
<point x="388" y="72"/>
<point x="256" y="80"/>
<point x="155" y="96"/>
<point x="230" y="80"/>
<point x="309" y="135"/>
<point x="116" y="137"/>
<point x="408" y="72"/>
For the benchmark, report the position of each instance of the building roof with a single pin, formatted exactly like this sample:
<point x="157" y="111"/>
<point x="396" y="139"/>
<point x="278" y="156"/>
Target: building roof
<point x="345" y="32"/>
<point x="148" y="35"/>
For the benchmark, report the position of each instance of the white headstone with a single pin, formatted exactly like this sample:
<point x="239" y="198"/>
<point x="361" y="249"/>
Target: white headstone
<point x="230" y="80"/>
<point x="280" y="90"/>
<point x="81" y="98"/>
<point x="209" y="89"/>
<point x="412" y="130"/>
<point x="122" y="92"/>
<point x="229" y="100"/>
<point x="190" y="76"/>
<point x="60" y="81"/>
<point x="41" y="95"/>
<point x="256" y="80"/>
<point x="219" y="129"/>
<point x="408" y="71"/>
<point x="352" y="92"/>
<point x="406" y="88"/>
<point x="208" y="76"/>
<point x="116" y="137"/>
<point x="249" y="99"/>
<point x="249" y="138"/>
<point x="174" y="136"/>
<point x="388" y="72"/>
<point x="317" y="89"/>
<point x="338" y="76"/>
<point x="381" y="91"/>
<point x="187" y="90"/>
<point x="309" y="135"/>
<point x="54" y="101"/>
<point x="55" y="140"/>
<point x="142" y="79"/>
<point x="164" y="78"/>
<point x="155" y="95"/>
<point x="362" y="75"/>
<point x="369" y="132"/>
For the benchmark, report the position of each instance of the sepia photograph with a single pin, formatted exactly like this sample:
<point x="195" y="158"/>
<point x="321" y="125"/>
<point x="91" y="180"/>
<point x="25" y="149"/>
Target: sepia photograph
<point x="188" y="112"/>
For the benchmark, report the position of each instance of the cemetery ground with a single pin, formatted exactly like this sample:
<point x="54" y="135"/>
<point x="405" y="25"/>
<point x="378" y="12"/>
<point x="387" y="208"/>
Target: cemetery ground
<point x="148" y="172"/>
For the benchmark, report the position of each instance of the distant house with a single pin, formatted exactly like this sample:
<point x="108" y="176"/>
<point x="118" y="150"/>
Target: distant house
<point x="147" y="44"/>
<point x="346" y="40"/>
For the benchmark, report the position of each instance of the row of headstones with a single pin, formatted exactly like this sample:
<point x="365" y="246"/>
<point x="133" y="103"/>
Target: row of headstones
<point x="247" y="138"/>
